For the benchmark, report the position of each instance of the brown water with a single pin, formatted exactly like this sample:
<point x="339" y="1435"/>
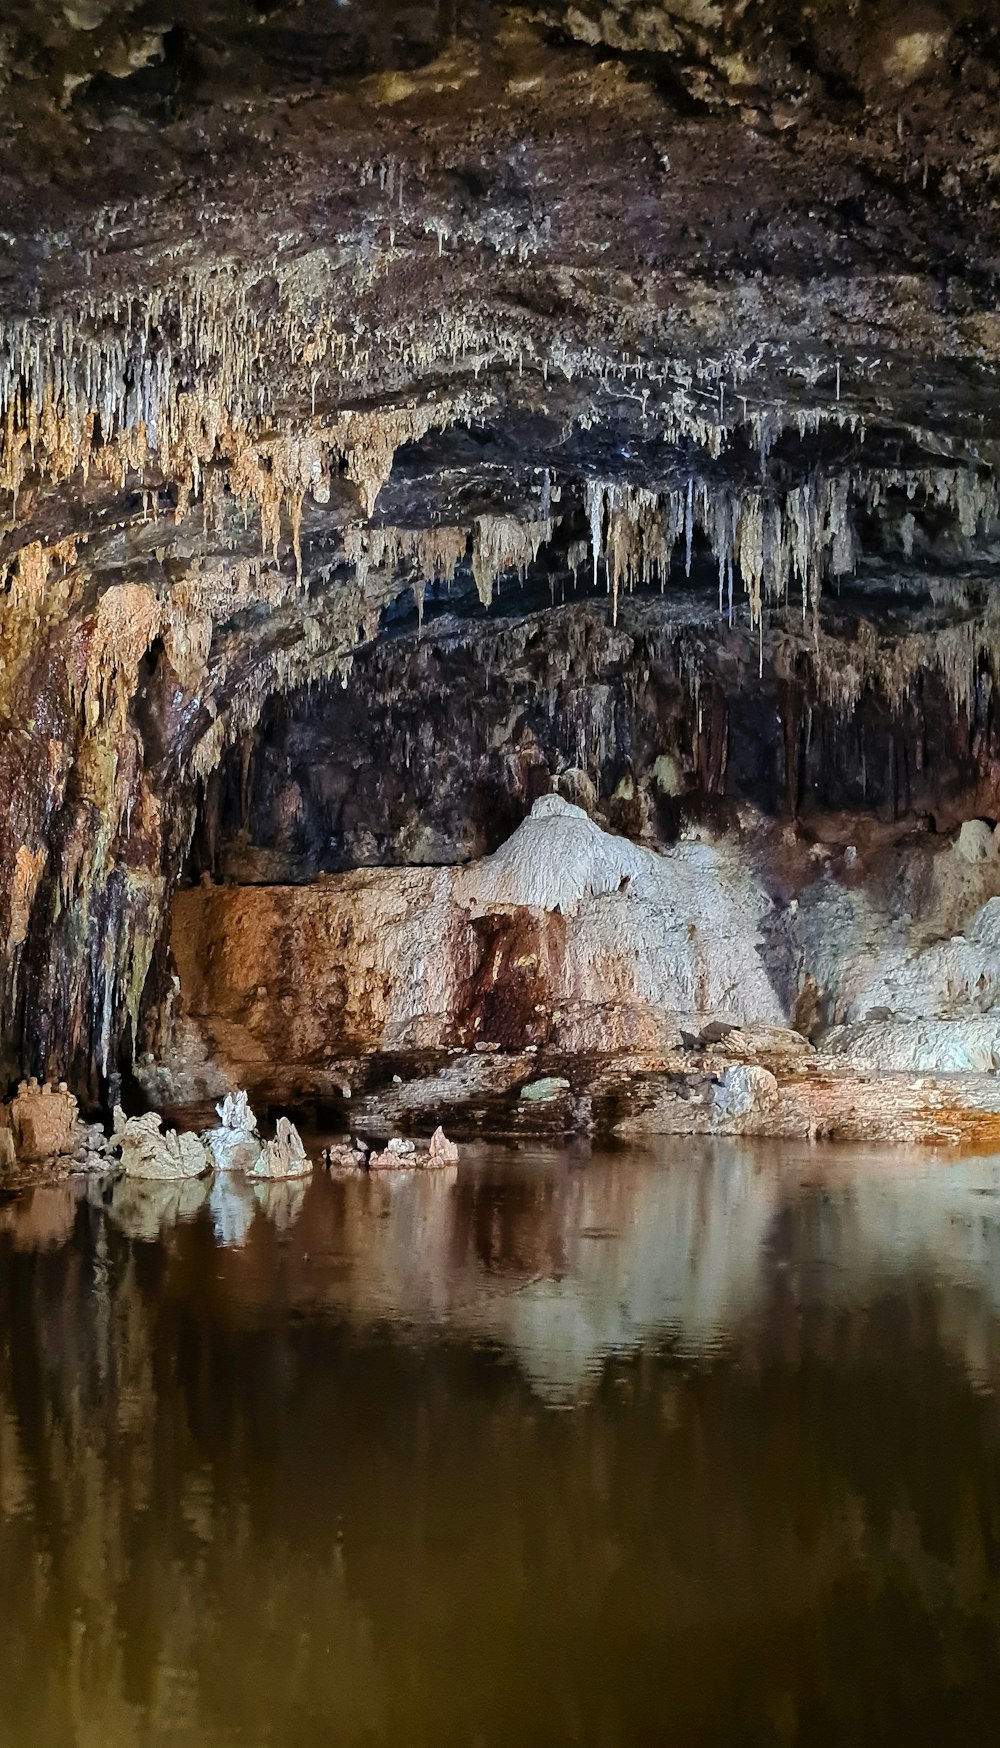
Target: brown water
<point x="691" y="1447"/>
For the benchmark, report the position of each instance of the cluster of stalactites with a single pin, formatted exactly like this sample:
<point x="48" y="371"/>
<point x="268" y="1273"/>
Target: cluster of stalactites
<point x="768" y="539"/>
<point x="131" y="405"/>
<point x="969" y="494"/>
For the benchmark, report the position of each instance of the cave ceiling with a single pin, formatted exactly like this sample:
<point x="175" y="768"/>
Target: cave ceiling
<point x="317" y="318"/>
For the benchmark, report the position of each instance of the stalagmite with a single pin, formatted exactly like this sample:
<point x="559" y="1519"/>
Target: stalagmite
<point x="146" y="1151"/>
<point x="284" y="1157"/>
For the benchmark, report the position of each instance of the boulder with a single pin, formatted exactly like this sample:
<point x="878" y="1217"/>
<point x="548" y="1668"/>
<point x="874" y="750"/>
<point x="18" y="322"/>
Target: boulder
<point x="345" y="1161"/>
<point x="402" y="1155"/>
<point x="745" y="1090"/>
<point x="976" y="841"/>
<point x="541" y="1092"/>
<point x="441" y="1151"/>
<point x="147" y="1152"/>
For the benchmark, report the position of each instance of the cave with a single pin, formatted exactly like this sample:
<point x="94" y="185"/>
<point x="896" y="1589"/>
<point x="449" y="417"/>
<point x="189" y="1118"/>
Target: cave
<point x="462" y="406"/>
<point x="499" y="549"/>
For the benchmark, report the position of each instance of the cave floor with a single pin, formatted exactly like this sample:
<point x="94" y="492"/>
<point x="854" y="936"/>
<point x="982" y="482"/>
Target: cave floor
<point x="691" y="1442"/>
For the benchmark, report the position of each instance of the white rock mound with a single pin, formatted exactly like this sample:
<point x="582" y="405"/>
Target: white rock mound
<point x="557" y="857"/>
<point x="745" y="1090"/>
<point x="673" y="932"/>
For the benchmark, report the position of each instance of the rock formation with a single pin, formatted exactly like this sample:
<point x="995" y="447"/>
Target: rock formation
<point x="235" y="1145"/>
<point x="284" y="1156"/>
<point x="403" y="1155"/>
<point x="408" y="411"/>
<point x="45" y="1123"/>
<point x="148" y="1152"/>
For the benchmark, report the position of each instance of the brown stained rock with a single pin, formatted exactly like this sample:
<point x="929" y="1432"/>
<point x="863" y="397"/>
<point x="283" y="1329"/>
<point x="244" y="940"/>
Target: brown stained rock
<point x="45" y="1123"/>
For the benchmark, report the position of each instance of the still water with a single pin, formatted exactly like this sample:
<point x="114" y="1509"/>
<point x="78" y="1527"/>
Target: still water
<point x="699" y="1445"/>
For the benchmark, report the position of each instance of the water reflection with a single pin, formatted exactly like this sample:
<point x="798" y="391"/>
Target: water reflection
<point x="279" y="1464"/>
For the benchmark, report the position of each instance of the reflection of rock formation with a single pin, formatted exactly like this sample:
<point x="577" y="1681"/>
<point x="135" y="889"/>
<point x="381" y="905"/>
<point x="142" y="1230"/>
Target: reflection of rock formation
<point x="146" y="1209"/>
<point x="567" y="1266"/>
<point x="44" y="1216"/>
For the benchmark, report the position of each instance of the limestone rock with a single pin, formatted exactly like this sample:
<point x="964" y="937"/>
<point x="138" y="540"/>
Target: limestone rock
<point x="556" y="858"/>
<point x="403" y="1155"/>
<point x="147" y="1151"/>
<point x="345" y="1161"/>
<point x="285" y="1156"/>
<point x="976" y="841"/>
<point x="8" y="1155"/>
<point x="45" y="1122"/>
<point x="542" y="1092"/>
<point x="235" y="1145"/>
<point x="745" y="1090"/>
<point x="921" y="1045"/>
<point x="441" y="1150"/>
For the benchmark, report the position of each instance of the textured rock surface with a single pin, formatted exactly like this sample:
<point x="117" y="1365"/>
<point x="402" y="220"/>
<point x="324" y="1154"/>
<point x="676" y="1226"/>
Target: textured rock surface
<point x="148" y="1152"/>
<point x="284" y="1156"/>
<point x="45" y="1123"/>
<point x="235" y="1144"/>
<point x="568" y="936"/>
<point x="574" y="980"/>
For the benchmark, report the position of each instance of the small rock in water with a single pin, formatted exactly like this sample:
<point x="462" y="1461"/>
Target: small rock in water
<point x="399" y="1145"/>
<point x="285" y="1156"/>
<point x="441" y="1151"/>
<point x="235" y="1145"/>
